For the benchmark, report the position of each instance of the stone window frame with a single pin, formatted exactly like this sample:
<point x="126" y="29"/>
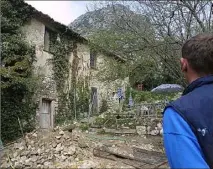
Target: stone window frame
<point x="93" y="59"/>
<point x="48" y="37"/>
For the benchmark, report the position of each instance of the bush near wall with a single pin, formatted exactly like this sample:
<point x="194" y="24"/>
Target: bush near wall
<point x="17" y="82"/>
<point x="147" y="96"/>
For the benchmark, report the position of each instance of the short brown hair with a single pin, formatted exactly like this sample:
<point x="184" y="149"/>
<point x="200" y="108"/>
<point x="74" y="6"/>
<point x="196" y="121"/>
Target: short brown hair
<point x="199" y="52"/>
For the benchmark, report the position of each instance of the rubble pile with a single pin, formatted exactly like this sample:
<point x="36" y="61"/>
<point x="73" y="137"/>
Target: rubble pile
<point x="156" y="127"/>
<point x="66" y="148"/>
<point x="58" y="149"/>
<point x="150" y="127"/>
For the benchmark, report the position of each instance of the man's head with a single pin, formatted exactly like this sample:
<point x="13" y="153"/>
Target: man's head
<point x="197" y="57"/>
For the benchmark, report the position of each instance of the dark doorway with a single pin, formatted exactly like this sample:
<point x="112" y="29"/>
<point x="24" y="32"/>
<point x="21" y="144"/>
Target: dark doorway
<point x="94" y="100"/>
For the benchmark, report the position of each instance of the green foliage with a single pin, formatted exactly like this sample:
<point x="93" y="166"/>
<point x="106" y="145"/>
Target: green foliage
<point x="109" y="121"/>
<point x="74" y="99"/>
<point x="84" y="127"/>
<point x="17" y="83"/>
<point x="11" y="18"/>
<point x="16" y="102"/>
<point x="83" y="93"/>
<point x="77" y="102"/>
<point x="120" y="37"/>
<point x="82" y="97"/>
<point x="61" y="50"/>
<point x="112" y="70"/>
<point x="106" y="120"/>
<point x="128" y="45"/>
<point x="147" y="73"/>
<point x="147" y="96"/>
<point x="104" y="106"/>
<point x="134" y="37"/>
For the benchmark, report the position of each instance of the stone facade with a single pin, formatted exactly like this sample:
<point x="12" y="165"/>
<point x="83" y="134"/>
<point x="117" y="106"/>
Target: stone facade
<point x="34" y="31"/>
<point x="35" y="34"/>
<point x="105" y="90"/>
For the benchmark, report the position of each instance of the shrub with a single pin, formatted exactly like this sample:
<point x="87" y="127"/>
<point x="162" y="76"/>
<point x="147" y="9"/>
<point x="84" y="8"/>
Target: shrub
<point x="147" y="96"/>
<point x="104" y="106"/>
<point x="17" y="83"/>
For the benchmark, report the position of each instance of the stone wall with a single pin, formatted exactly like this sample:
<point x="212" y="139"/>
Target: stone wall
<point x="34" y="31"/>
<point x="104" y="89"/>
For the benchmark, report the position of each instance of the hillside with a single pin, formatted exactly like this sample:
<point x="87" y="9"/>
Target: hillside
<point x="101" y="19"/>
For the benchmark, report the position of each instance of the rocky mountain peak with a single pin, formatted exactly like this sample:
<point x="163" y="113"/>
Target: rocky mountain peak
<point x="99" y="19"/>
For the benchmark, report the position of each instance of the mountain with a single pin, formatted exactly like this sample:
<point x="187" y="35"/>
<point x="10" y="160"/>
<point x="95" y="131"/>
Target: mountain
<point x="99" y="19"/>
<point x="115" y="28"/>
<point x="122" y="31"/>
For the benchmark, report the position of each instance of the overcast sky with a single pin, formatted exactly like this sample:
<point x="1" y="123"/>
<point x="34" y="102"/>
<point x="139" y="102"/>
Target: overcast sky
<point x="61" y="11"/>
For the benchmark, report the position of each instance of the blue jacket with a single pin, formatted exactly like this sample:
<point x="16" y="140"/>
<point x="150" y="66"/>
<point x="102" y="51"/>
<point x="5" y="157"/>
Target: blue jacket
<point x="196" y="108"/>
<point x="181" y="145"/>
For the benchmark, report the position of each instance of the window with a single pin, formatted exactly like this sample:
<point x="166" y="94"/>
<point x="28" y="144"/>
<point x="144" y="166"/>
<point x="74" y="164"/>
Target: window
<point x="93" y="59"/>
<point x="46" y="40"/>
<point x="49" y="38"/>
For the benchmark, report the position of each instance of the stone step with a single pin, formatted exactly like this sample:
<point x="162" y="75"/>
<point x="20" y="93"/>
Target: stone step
<point x="120" y="131"/>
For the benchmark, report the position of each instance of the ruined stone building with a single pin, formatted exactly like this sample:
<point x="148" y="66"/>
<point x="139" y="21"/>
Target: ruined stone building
<point x="83" y="62"/>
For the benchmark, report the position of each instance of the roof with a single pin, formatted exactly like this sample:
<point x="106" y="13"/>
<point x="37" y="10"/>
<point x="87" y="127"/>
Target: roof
<point x="117" y="57"/>
<point x="59" y="26"/>
<point x="34" y="13"/>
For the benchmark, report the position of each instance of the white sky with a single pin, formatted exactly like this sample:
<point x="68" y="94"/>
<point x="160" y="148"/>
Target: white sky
<point x="62" y="11"/>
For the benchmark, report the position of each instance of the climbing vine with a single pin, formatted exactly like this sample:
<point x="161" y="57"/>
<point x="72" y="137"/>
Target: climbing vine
<point x="73" y="93"/>
<point x="61" y="48"/>
<point x="79" y="99"/>
<point x="17" y="82"/>
<point x="80" y="93"/>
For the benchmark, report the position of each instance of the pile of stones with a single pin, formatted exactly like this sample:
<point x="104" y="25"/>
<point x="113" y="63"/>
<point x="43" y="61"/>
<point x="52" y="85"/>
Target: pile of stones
<point x="156" y="128"/>
<point x="153" y="127"/>
<point x="58" y="149"/>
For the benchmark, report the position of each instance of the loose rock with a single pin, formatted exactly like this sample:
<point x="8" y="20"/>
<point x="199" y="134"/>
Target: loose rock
<point x="34" y="135"/>
<point x="82" y="144"/>
<point x="58" y="137"/>
<point x="61" y="132"/>
<point x="141" y="130"/>
<point x="154" y="132"/>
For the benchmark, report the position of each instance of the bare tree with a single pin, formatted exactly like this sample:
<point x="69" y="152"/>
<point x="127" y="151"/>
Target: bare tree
<point x="157" y="30"/>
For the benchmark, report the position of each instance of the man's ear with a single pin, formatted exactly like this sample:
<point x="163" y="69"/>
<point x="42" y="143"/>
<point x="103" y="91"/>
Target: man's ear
<point x="184" y="64"/>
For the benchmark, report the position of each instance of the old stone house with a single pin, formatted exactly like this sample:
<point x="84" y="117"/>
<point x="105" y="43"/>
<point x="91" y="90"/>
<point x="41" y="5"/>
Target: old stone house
<point x="83" y="62"/>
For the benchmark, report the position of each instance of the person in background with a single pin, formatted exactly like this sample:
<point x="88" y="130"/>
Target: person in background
<point x="188" y="121"/>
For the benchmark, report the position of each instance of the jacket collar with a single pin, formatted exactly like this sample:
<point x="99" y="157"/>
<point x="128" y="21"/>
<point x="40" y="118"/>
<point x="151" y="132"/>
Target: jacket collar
<point x="197" y="83"/>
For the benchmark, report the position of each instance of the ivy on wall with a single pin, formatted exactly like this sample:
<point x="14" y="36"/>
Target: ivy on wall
<point x="74" y="100"/>
<point x="61" y="50"/>
<point x="18" y="84"/>
<point x="17" y="81"/>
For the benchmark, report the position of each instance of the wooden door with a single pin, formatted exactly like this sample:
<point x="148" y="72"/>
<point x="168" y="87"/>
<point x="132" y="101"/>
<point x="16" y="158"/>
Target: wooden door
<point x="45" y="114"/>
